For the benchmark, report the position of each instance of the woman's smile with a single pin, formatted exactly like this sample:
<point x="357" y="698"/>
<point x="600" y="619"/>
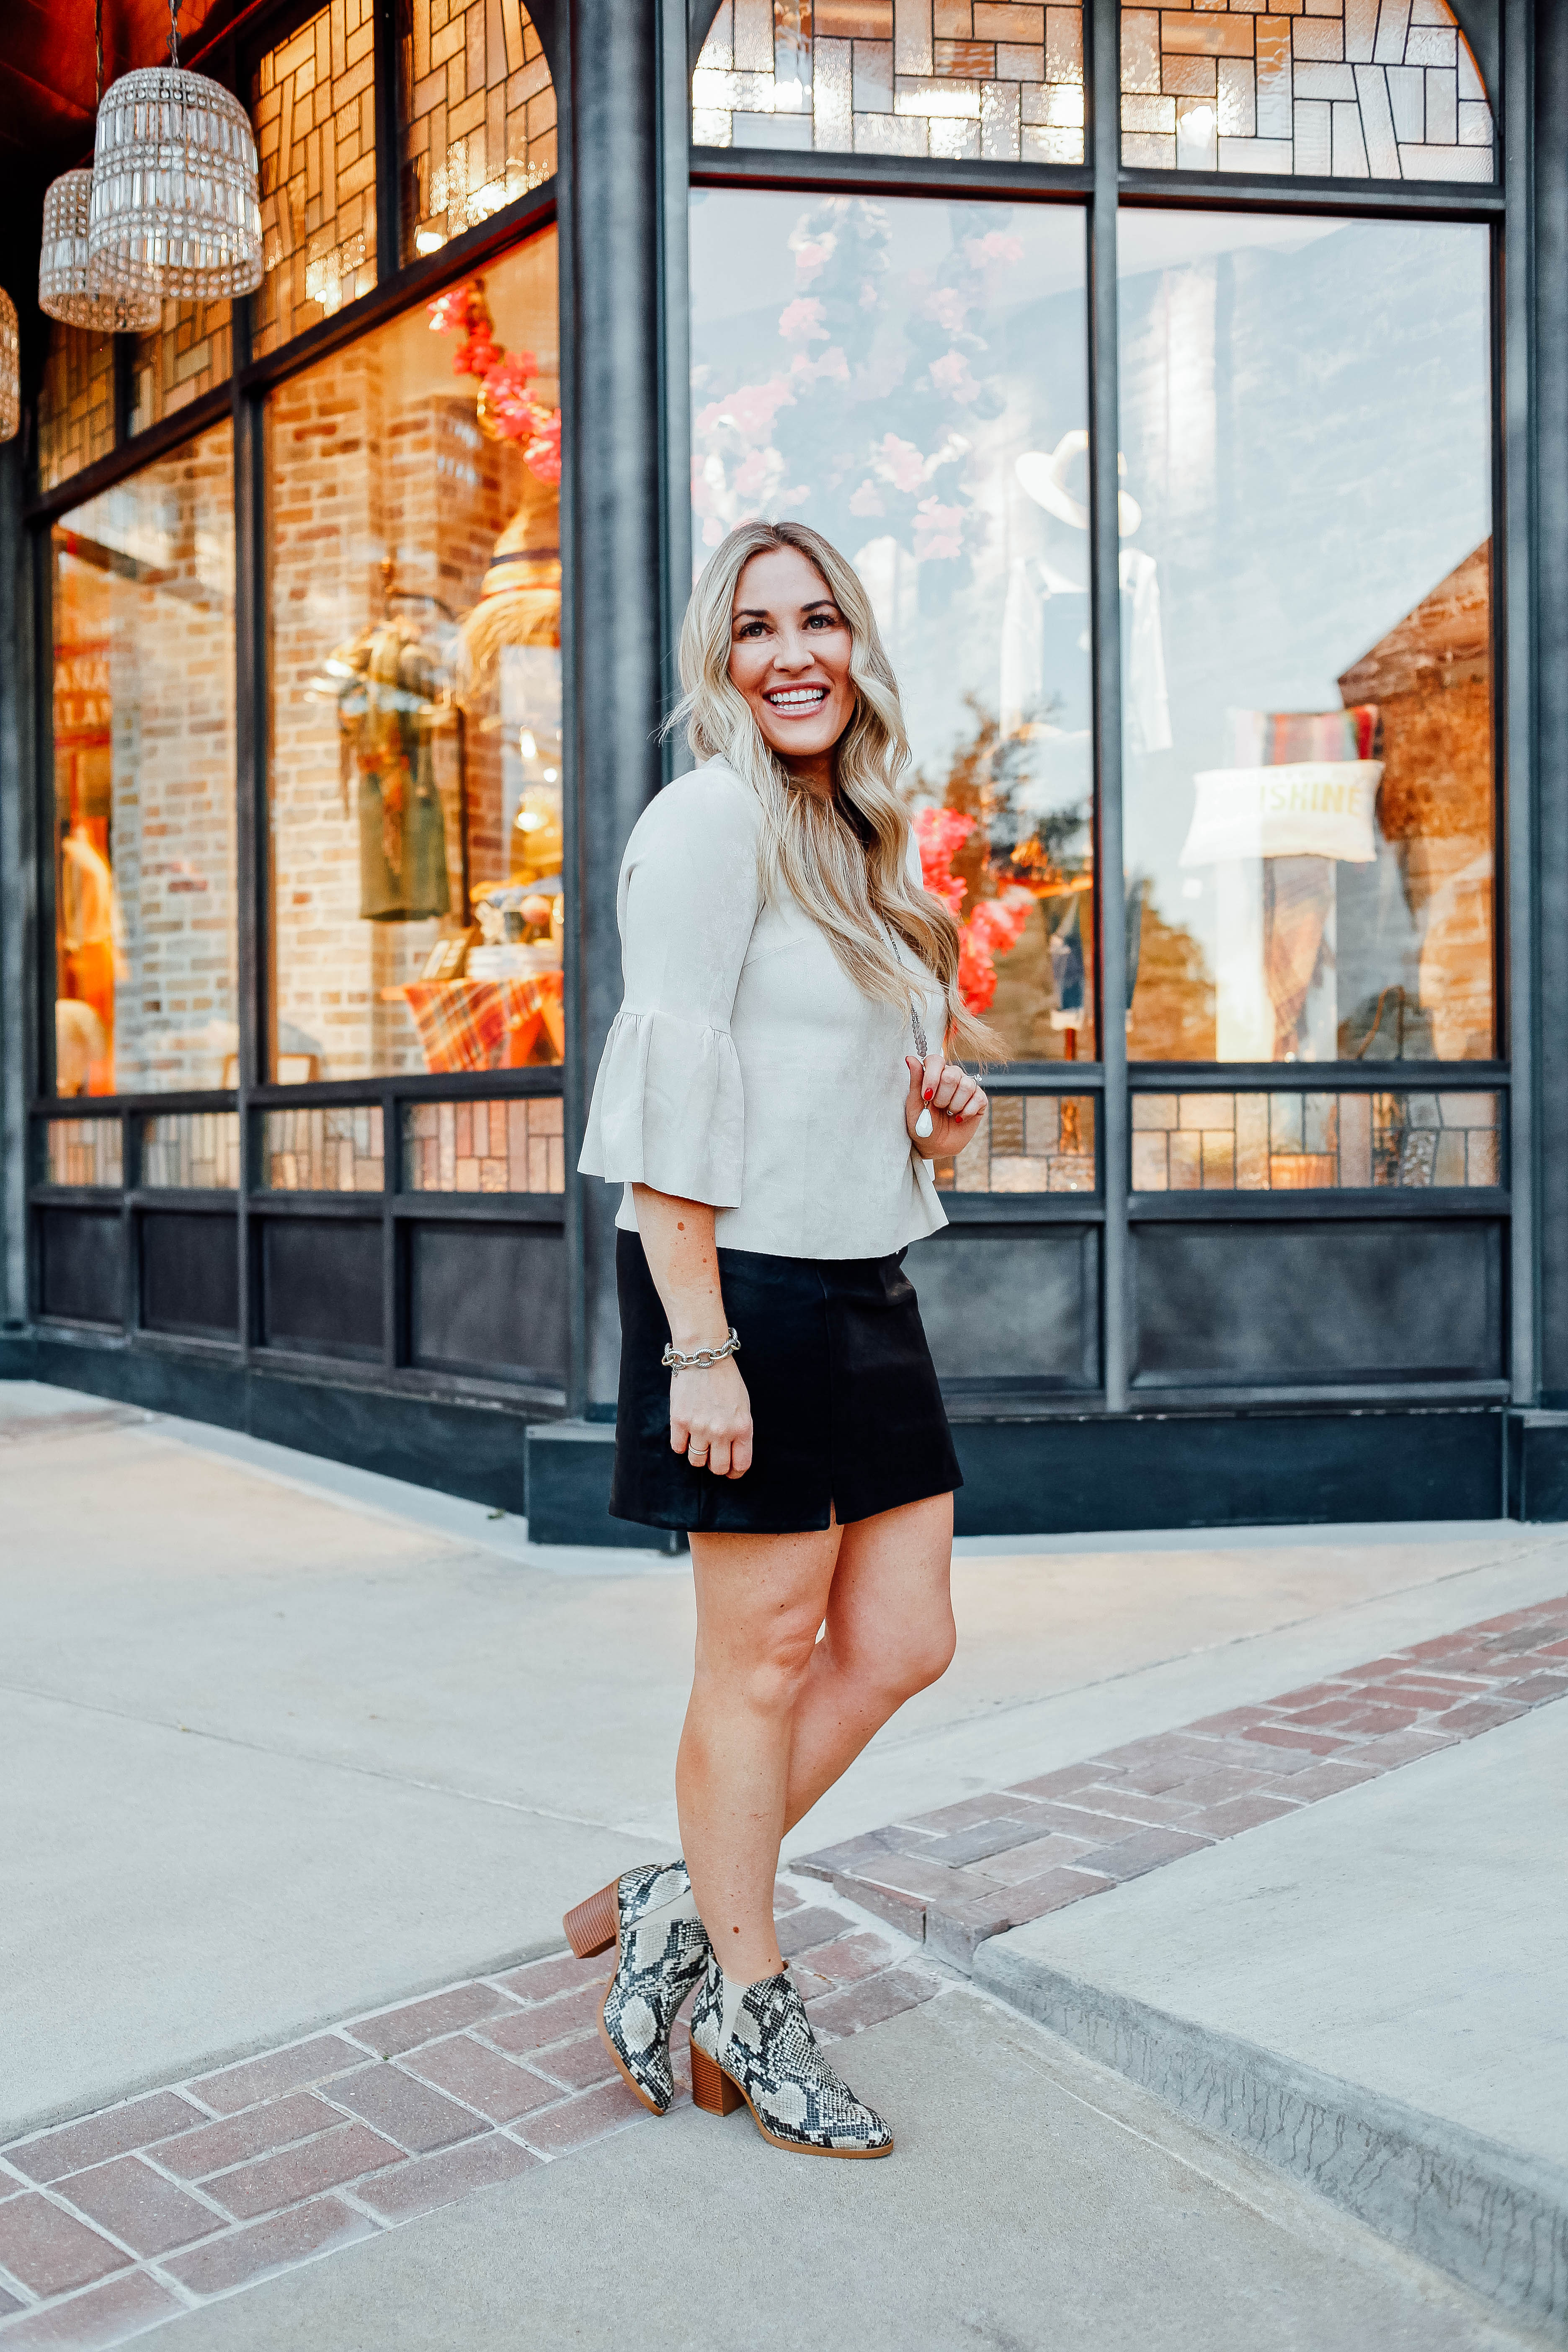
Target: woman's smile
<point x="790" y="651"/>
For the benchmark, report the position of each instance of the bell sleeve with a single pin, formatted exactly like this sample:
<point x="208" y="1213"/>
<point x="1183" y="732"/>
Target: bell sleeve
<point x="668" y="1109"/>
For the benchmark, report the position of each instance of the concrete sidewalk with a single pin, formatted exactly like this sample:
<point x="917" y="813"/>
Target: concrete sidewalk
<point x="288" y="1744"/>
<point x="287" y="1754"/>
<point x="1032" y="2200"/>
<point x="1369" y="1991"/>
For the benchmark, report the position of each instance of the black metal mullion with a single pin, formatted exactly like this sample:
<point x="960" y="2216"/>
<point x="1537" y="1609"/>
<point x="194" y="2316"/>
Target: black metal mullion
<point x="1110" y="924"/>
<point x="250" y="806"/>
<point x="1519" y="698"/>
<point x="388" y="144"/>
<point x="394" y="1304"/>
<point x="1365" y="199"/>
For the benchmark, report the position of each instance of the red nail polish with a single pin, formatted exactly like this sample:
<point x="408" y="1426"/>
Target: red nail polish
<point x="930" y="1095"/>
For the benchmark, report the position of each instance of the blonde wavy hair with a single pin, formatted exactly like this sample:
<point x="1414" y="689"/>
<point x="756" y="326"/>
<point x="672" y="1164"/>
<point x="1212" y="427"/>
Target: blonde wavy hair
<point x="844" y="859"/>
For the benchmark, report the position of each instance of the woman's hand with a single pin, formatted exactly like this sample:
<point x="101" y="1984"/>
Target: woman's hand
<point x="710" y="1419"/>
<point x="955" y="1100"/>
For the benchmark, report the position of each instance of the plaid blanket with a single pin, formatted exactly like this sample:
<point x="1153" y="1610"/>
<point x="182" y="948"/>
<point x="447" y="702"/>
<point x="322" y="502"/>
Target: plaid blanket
<point x="461" y="1022"/>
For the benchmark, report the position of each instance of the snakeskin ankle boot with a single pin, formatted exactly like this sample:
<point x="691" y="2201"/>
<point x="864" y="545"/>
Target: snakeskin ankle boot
<point x="754" y="2042"/>
<point x="650" y="1917"/>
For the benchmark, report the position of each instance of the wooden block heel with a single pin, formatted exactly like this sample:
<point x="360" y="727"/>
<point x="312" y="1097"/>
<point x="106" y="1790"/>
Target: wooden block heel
<point x="711" y="2089"/>
<point x="591" y="1926"/>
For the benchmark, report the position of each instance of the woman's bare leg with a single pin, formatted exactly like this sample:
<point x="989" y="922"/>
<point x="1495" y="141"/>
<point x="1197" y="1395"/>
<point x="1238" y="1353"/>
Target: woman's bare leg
<point x="760" y="1603"/>
<point x="890" y="1633"/>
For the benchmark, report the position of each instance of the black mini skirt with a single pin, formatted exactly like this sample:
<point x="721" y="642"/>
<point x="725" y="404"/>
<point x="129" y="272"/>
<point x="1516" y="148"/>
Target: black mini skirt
<point x="847" y="1416"/>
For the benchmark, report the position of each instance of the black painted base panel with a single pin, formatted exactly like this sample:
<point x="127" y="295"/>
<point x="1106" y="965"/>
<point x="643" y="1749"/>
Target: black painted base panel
<point x="1058" y="1474"/>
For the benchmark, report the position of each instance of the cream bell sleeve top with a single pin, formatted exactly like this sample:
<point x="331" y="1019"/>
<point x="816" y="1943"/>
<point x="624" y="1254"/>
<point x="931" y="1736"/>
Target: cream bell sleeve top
<point x="744" y="1068"/>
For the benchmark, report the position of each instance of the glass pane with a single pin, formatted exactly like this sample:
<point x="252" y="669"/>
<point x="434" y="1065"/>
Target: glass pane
<point x="478" y="109"/>
<point x="144" y="779"/>
<point x="1313" y="1142"/>
<point x="85" y="1151"/>
<point x="76" y="402"/>
<point x="882" y="77"/>
<point x="191" y="1151"/>
<point x="910" y="378"/>
<point x="414" y="576"/>
<point x="1026" y="1143"/>
<point x="313" y="102"/>
<point x="1339" y="88"/>
<point x="329" y="1150"/>
<point x="1306" y="567"/>
<point x="176" y="362"/>
<point x="485" y="1147"/>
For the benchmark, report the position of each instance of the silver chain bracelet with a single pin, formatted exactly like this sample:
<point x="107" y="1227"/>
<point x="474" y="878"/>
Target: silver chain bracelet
<point x="702" y="1359"/>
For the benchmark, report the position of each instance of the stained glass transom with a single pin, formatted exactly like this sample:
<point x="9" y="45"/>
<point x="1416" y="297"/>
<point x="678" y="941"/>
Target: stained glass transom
<point x="76" y="404"/>
<point x="1026" y="1143"/>
<point x="478" y="111"/>
<point x="1386" y="90"/>
<point x="957" y="77"/>
<point x="1313" y="1142"/>
<point x="179" y="360"/>
<point x="313" y="105"/>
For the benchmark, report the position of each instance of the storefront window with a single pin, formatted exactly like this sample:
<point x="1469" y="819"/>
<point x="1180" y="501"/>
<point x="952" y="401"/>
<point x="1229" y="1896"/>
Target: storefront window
<point x="1342" y="86"/>
<point x="1307" y="727"/>
<point x="414" y="582"/>
<point x="312" y="103"/>
<point x="144" y="779"/>
<point x="910" y="378"/>
<point x="983" y="78"/>
<point x="478" y="110"/>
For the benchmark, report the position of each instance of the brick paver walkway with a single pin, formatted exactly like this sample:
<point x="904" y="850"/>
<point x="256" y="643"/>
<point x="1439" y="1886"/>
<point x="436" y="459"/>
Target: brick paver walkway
<point x="112" y="2224"/>
<point x="952" y="1878"/>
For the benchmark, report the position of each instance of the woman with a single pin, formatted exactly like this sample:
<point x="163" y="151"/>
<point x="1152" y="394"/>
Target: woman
<point x="772" y="1096"/>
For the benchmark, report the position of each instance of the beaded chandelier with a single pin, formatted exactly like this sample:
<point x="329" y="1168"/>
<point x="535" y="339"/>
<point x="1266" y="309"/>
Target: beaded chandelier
<point x="62" y="268"/>
<point x="10" y="370"/>
<point x="63" y="290"/>
<point x="175" y="204"/>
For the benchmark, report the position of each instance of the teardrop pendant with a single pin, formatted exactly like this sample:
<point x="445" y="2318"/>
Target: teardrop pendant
<point x="923" y="1125"/>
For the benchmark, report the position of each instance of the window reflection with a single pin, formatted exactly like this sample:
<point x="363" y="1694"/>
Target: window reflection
<point x="144" y="779"/>
<point x="414" y="571"/>
<point x="910" y="378"/>
<point x="1305" y="429"/>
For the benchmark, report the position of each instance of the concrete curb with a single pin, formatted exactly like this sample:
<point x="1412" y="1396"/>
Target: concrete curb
<point x="1496" y="2220"/>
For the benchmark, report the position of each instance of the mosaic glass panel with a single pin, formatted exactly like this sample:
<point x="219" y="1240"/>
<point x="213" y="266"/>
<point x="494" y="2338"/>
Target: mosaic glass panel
<point x="1386" y="90"/>
<point x="76" y="402"/>
<point x="336" y="1149"/>
<point x="478" y="113"/>
<point x="191" y="1151"/>
<point x="1306" y="560"/>
<point x="485" y="1147"/>
<point x="985" y="78"/>
<point x="1026" y="1143"/>
<point x="85" y="1151"/>
<point x="313" y="102"/>
<point x="911" y="379"/>
<point x="174" y="364"/>
<point x="143" y="831"/>
<point x="1313" y="1142"/>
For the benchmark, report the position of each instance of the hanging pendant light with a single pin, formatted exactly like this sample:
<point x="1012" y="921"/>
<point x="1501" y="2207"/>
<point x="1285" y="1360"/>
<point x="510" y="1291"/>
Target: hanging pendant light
<point x="10" y="371"/>
<point x="63" y="290"/>
<point x="177" y="207"/>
